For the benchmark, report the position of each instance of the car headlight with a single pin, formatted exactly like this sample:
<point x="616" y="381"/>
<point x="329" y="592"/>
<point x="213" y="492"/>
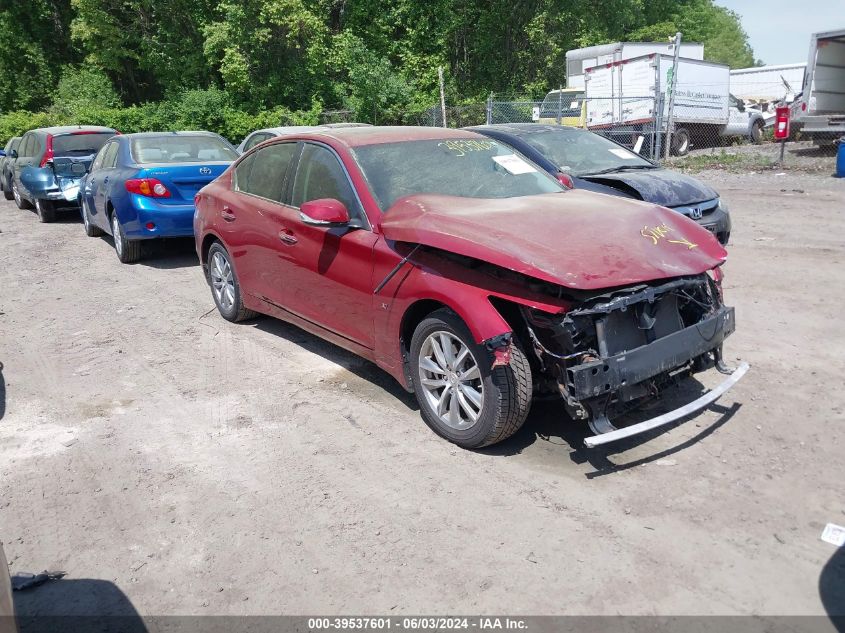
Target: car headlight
<point x="723" y="206"/>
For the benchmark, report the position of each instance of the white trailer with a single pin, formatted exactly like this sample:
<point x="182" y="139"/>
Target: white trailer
<point x="820" y="111"/>
<point x="629" y="98"/>
<point x="768" y="83"/>
<point x="579" y="59"/>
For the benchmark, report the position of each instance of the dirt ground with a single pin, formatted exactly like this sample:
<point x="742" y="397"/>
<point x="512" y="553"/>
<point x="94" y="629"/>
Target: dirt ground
<point x="173" y="463"/>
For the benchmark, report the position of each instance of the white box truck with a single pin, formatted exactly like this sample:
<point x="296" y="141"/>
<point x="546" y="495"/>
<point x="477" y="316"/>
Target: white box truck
<point x="629" y="98"/>
<point x="820" y="110"/>
<point x="579" y="59"/>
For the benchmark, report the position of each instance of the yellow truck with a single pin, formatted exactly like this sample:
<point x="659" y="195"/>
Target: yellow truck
<point x="567" y="104"/>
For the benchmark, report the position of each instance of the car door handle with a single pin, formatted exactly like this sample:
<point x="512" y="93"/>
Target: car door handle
<point x="287" y="236"/>
<point x="228" y="215"/>
<point x="105" y="180"/>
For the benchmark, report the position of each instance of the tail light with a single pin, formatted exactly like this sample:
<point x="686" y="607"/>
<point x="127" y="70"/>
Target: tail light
<point x="48" y="152"/>
<point x="150" y="187"/>
<point x="566" y="180"/>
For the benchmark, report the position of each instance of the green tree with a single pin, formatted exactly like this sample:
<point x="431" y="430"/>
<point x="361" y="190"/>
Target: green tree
<point x="34" y="45"/>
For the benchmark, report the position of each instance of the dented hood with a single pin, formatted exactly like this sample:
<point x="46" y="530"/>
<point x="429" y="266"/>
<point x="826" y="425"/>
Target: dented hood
<point x="578" y="239"/>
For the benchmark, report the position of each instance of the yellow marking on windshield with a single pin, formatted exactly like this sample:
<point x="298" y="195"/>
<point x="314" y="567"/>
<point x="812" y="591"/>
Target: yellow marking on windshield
<point x="462" y="148"/>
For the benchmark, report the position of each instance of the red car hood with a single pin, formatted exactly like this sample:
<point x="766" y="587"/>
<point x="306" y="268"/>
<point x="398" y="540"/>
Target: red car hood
<point x="578" y="239"/>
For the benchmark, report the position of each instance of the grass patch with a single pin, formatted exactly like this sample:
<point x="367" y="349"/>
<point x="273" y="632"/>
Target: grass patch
<point x="724" y="159"/>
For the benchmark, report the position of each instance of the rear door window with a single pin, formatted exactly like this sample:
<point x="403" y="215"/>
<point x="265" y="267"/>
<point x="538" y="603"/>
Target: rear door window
<point x="267" y="170"/>
<point x="27" y="145"/>
<point x="320" y="175"/>
<point x="110" y="157"/>
<point x="98" y="159"/>
<point x="255" y="139"/>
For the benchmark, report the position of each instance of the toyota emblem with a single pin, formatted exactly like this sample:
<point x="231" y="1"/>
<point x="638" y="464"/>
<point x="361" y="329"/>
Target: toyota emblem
<point x="205" y="171"/>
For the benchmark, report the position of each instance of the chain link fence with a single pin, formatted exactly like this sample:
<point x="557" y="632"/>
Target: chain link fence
<point x="639" y="123"/>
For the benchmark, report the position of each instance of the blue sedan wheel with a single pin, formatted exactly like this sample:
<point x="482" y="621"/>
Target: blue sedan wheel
<point x="90" y="229"/>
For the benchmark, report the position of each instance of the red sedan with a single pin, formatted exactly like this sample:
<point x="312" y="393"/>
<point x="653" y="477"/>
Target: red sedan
<point x="467" y="273"/>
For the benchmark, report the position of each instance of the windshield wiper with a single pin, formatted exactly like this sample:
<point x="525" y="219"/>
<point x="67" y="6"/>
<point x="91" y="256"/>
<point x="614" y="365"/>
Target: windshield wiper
<point x="620" y="168"/>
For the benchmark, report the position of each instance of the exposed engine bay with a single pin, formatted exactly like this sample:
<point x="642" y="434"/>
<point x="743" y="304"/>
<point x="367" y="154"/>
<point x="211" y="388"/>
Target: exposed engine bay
<point x="613" y="350"/>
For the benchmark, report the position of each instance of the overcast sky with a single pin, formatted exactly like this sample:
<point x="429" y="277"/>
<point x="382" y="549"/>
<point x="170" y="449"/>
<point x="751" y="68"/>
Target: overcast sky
<point x="779" y="30"/>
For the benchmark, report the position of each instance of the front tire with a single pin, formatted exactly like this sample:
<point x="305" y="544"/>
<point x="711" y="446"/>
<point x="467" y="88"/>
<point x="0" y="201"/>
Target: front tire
<point x="90" y="229"/>
<point x="756" y="133"/>
<point x="462" y="397"/>
<point x="225" y="287"/>
<point x="7" y="189"/>
<point x="128" y="251"/>
<point x="45" y="210"/>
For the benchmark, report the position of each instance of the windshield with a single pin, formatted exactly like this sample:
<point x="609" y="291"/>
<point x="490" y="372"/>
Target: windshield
<point x="568" y="102"/>
<point x="181" y="149"/>
<point x="468" y="168"/>
<point x="578" y="152"/>
<point x="81" y="143"/>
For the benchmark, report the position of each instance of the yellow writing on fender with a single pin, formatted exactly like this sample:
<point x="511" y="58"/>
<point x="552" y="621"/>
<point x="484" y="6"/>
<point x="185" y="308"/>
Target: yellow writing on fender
<point x="657" y="233"/>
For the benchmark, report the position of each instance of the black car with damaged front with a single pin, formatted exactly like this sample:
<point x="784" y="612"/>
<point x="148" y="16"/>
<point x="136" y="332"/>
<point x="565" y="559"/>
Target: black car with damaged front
<point x="581" y="159"/>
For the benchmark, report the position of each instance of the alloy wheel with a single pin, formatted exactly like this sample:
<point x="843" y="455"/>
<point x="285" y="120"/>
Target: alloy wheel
<point x="222" y="281"/>
<point x="117" y="235"/>
<point x="16" y="193"/>
<point x="451" y="380"/>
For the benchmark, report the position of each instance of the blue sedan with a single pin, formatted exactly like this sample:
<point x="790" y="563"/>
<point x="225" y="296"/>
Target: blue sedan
<point x="142" y="186"/>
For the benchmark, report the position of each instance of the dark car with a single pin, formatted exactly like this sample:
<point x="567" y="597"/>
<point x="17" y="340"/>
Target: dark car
<point x="584" y="160"/>
<point x="6" y="161"/>
<point x="142" y="186"/>
<point x="469" y="274"/>
<point x="50" y="162"/>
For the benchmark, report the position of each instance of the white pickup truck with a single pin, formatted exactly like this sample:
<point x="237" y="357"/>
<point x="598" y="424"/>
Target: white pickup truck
<point x="622" y="99"/>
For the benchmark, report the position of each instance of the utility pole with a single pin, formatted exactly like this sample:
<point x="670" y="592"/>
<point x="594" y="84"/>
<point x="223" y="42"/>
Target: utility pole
<point x="670" y="91"/>
<point x="442" y="94"/>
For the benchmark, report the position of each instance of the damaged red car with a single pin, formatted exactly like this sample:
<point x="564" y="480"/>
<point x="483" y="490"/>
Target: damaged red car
<point x="469" y="274"/>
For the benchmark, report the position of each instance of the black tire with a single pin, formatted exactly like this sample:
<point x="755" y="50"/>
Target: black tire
<point x="7" y="189"/>
<point x="45" y="210"/>
<point x="680" y="142"/>
<point x="234" y="311"/>
<point x="90" y="229"/>
<point x="128" y="251"/>
<point x="755" y="135"/>
<point x="506" y="390"/>
<point x="20" y="201"/>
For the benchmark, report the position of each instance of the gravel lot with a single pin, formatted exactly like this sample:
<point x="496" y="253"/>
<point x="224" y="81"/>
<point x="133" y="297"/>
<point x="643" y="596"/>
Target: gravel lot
<point x="167" y="458"/>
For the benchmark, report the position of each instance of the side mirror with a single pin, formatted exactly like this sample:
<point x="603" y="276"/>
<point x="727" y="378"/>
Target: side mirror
<point x="325" y="212"/>
<point x="13" y="153"/>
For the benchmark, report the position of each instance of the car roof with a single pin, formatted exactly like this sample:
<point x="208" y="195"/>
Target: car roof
<point x="521" y="129"/>
<point x="375" y="135"/>
<point x="287" y="129"/>
<point x="161" y="134"/>
<point x="67" y="129"/>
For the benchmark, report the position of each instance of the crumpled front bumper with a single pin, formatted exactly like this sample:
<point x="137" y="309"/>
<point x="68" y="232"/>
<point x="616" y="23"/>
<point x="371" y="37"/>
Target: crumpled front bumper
<point x="621" y="373"/>
<point x="667" y="418"/>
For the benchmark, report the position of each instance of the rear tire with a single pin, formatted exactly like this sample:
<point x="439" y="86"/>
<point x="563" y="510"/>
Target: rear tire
<point x="46" y="210"/>
<point x="225" y="287"/>
<point x="128" y="251"/>
<point x="90" y="229"/>
<point x="680" y="142"/>
<point x="20" y="201"/>
<point x="449" y="370"/>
